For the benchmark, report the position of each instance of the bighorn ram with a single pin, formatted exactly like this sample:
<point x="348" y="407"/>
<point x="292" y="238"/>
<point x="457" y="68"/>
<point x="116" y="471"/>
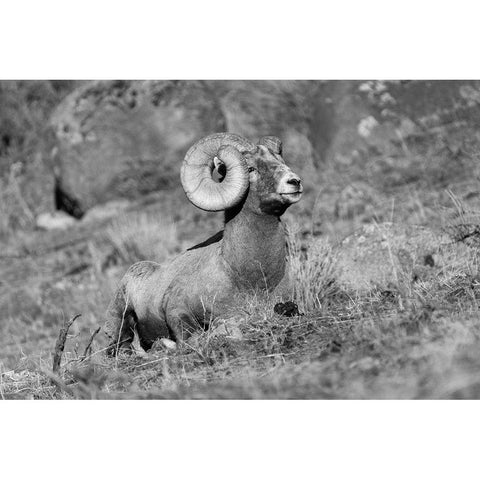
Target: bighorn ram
<point x="254" y="187"/>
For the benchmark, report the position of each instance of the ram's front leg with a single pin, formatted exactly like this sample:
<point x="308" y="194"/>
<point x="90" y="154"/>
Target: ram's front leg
<point x="183" y="324"/>
<point x="151" y="328"/>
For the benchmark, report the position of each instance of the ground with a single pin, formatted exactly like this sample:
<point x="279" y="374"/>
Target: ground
<point x="415" y="340"/>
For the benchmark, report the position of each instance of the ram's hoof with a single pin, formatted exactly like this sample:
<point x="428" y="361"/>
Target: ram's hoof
<point x="167" y="343"/>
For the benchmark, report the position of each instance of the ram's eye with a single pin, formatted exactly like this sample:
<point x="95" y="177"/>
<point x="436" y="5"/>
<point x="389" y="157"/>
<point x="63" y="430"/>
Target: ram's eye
<point x="251" y="169"/>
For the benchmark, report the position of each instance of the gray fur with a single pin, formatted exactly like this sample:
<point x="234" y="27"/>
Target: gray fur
<point x="173" y="299"/>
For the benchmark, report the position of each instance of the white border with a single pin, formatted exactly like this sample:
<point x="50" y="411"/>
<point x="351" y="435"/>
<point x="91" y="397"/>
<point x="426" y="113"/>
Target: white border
<point x="234" y="439"/>
<point x="248" y="39"/>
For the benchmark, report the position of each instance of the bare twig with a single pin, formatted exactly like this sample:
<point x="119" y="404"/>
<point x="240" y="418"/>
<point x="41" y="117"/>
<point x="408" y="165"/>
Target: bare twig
<point x="151" y="361"/>
<point x="18" y="193"/>
<point x="89" y="345"/>
<point x="60" y="345"/>
<point x="57" y="381"/>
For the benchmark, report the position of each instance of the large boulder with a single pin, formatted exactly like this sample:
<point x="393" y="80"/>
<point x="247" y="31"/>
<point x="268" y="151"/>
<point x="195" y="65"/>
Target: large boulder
<point x="399" y="132"/>
<point x="123" y="139"/>
<point x="274" y="107"/>
<point x="389" y="255"/>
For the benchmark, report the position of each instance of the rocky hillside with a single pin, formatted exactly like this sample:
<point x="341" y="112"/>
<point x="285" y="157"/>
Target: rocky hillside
<point x="384" y="243"/>
<point x="117" y="140"/>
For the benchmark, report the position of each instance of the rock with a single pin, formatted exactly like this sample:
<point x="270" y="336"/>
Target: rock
<point x="366" y="126"/>
<point x="299" y="153"/>
<point x="337" y="108"/>
<point x="357" y="198"/>
<point x="122" y="139"/>
<point x="228" y="327"/>
<point x="54" y="221"/>
<point x="359" y="123"/>
<point x="280" y="108"/>
<point x="256" y="108"/>
<point x="107" y="210"/>
<point x="388" y="254"/>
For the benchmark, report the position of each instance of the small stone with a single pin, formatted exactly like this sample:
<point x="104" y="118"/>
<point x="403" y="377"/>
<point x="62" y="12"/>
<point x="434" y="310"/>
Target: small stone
<point x="228" y="327"/>
<point x="54" y="221"/>
<point x="366" y="126"/>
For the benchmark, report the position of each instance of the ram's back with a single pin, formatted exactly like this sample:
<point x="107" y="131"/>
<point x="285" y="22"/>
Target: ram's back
<point x="190" y="275"/>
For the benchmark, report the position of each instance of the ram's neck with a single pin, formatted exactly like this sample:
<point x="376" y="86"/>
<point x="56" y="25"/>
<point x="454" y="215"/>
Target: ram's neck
<point x="253" y="248"/>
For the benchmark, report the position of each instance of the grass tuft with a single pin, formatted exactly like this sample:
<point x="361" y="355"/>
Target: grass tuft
<point x="144" y="236"/>
<point x="312" y="270"/>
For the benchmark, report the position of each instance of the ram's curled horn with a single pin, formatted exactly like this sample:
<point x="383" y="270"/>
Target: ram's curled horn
<point x="197" y="167"/>
<point x="274" y="144"/>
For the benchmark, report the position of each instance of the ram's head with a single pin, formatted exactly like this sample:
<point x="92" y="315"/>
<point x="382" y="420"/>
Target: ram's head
<point x="224" y="170"/>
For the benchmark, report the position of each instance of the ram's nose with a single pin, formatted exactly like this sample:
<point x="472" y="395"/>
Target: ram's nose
<point x="295" y="181"/>
<point x="291" y="188"/>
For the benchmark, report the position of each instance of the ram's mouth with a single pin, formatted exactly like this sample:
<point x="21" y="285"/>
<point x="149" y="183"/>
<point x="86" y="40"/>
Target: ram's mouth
<point x="292" y="196"/>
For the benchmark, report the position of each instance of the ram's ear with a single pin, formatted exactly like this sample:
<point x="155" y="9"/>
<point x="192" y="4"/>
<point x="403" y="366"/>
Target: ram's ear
<point x="274" y="144"/>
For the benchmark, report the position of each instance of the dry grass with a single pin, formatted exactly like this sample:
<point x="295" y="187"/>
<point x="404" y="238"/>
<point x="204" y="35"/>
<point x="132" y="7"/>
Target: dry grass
<point x="419" y="341"/>
<point x="15" y="213"/>
<point x="358" y="348"/>
<point x="312" y="270"/>
<point x="144" y="236"/>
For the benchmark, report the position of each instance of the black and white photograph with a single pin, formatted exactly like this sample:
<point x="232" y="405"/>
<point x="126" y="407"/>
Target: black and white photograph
<point x="239" y="239"/>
